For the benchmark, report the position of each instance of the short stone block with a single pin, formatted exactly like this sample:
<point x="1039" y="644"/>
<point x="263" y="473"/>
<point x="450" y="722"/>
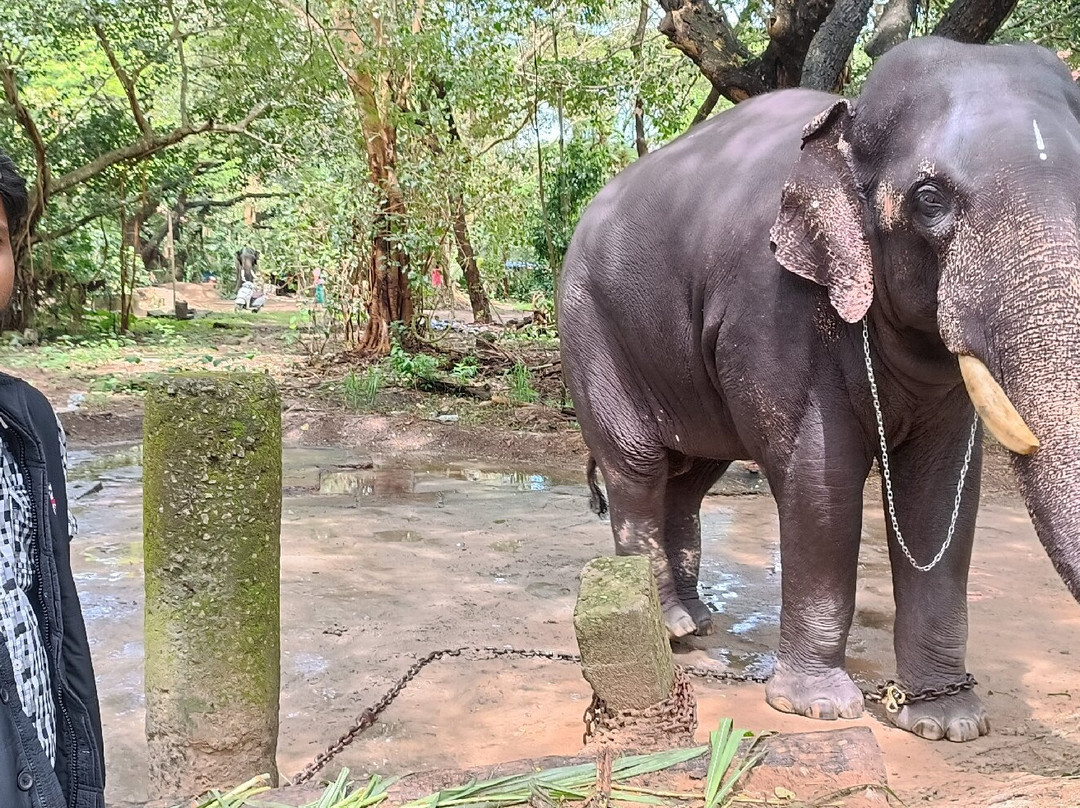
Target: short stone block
<point x="625" y="654"/>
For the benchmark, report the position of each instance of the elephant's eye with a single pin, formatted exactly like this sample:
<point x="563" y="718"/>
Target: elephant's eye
<point x="932" y="204"/>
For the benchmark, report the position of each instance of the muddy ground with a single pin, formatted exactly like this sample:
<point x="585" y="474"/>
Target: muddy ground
<point x="382" y="565"/>
<point x="474" y="533"/>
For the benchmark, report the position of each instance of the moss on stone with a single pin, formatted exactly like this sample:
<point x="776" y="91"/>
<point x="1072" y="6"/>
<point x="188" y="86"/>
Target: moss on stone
<point x="212" y="519"/>
<point x="625" y="654"/>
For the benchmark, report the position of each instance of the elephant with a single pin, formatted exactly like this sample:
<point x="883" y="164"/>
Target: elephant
<point x="727" y="297"/>
<point x="247" y="266"/>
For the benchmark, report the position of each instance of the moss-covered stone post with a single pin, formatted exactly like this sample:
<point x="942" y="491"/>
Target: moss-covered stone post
<point x="212" y="525"/>
<point x="625" y="654"/>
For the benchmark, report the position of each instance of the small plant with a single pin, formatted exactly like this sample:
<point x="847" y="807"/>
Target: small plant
<point x="412" y="367"/>
<point x="468" y="368"/>
<point x="724" y="745"/>
<point x="360" y="389"/>
<point x="521" y="388"/>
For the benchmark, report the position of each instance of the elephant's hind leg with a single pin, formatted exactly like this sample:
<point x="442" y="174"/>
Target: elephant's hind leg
<point x="636" y="500"/>
<point x="682" y="534"/>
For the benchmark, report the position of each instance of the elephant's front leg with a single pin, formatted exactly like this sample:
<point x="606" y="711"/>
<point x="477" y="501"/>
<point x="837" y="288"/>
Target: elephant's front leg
<point x="820" y="503"/>
<point x="930" y="634"/>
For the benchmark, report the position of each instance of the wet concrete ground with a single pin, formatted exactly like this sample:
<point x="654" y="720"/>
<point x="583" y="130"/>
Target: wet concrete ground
<point x="381" y="565"/>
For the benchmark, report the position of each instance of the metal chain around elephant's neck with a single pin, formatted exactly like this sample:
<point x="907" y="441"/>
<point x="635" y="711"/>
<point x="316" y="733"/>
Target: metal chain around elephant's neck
<point x="888" y="477"/>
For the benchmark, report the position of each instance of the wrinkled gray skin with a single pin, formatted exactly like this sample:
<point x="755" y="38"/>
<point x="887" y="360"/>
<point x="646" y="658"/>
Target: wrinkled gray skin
<point x="709" y="311"/>
<point x="247" y="266"/>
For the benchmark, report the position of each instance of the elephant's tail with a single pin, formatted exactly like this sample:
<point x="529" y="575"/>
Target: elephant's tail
<point x="597" y="500"/>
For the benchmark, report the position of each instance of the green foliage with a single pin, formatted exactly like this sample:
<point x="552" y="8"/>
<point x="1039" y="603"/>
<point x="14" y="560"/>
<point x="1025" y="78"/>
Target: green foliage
<point x="576" y="176"/>
<point x="723" y="747"/>
<point x="467" y="368"/>
<point x="411" y="368"/>
<point x="520" y="381"/>
<point x="361" y="389"/>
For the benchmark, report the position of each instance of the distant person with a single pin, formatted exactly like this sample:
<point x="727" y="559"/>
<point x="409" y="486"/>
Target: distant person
<point x="320" y="294"/>
<point x="51" y="753"/>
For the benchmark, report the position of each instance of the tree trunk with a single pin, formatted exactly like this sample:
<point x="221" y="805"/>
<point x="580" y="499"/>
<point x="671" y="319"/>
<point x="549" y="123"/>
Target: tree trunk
<point x="390" y="297"/>
<point x="466" y="257"/>
<point x="19" y="315"/>
<point x="389" y="293"/>
<point x="640" y="143"/>
<point x="831" y="46"/>
<point x="974" y="20"/>
<point x="893" y="27"/>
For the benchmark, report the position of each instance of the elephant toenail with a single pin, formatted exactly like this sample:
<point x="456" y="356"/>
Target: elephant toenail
<point x="822" y="709"/>
<point x="782" y="704"/>
<point x="962" y="730"/>
<point x="928" y="728"/>
<point x="852" y="710"/>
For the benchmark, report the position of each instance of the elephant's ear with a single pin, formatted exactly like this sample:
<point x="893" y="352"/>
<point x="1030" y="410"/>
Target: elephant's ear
<point x="821" y="231"/>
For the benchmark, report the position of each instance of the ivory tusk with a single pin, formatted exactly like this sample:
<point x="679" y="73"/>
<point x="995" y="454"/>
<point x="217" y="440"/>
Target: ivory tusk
<point x="995" y="409"/>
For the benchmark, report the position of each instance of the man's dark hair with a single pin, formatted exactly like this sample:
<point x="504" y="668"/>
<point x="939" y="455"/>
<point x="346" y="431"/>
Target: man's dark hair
<point x="12" y="193"/>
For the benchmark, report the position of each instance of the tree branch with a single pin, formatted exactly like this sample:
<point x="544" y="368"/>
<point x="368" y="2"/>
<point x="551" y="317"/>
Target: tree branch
<point x="151" y="200"/>
<point x="640" y="143"/>
<point x="831" y="46"/>
<point x="893" y="27"/>
<point x="39" y="194"/>
<point x="125" y="81"/>
<point x="707" y="106"/>
<point x="179" y="36"/>
<point x="704" y="34"/>
<point x="974" y="20"/>
<point x="150" y="145"/>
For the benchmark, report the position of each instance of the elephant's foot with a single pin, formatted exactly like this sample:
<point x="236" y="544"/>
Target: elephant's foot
<point x="678" y="621"/>
<point x="827" y="696"/>
<point x="700" y="614"/>
<point x="959" y="718"/>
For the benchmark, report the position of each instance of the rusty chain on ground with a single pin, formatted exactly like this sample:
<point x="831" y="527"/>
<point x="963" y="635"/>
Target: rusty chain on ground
<point x="890" y="695"/>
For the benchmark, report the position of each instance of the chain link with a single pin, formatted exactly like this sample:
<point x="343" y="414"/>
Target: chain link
<point x="370" y="714"/>
<point x="887" y="476"/>
<point x="890" y="694"/>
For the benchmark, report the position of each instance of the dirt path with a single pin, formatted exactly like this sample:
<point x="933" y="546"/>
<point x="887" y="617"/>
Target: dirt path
<point x="387" y="564"/>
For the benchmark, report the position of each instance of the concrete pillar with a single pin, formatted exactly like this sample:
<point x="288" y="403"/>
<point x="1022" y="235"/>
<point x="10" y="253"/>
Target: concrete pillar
<point x="625" y="654"/>
<point x="212" y="529"/>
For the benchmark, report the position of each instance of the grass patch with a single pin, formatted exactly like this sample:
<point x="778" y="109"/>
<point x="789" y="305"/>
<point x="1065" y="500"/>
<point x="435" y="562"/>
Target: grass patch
<point x="520" y="381"/>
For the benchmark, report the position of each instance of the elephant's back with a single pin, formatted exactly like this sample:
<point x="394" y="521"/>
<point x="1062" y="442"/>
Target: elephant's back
<point x="696" y="209"/>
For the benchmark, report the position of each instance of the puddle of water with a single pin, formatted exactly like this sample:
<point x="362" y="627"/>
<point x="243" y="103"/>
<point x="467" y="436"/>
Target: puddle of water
<point x="130" y="650"/>
<point x="309" y="664"/>
<point x="548" y="591"/>
<point x="874" y="619"/>
<point x="98" y="606"/>
<point x="121" y="465"/>
<point x="115" y="554"/>
<point x="405" y="536"/>
<point x="517" y="480"/>
<point x="755" y="620"/>
<point x="753" y="663"/>
<point x="507" y="545"/>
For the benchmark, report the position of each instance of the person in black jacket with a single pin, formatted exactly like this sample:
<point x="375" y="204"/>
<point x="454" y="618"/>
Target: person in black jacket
<point x="51" y="753"/>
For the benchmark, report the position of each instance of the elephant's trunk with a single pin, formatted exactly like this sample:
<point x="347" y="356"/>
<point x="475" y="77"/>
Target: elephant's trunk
<point x="1037" y="351"/>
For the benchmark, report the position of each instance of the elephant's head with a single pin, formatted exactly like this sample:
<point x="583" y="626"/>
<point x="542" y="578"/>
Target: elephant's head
<point x="247" y="263"/>
<point x="948" y="192"/>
